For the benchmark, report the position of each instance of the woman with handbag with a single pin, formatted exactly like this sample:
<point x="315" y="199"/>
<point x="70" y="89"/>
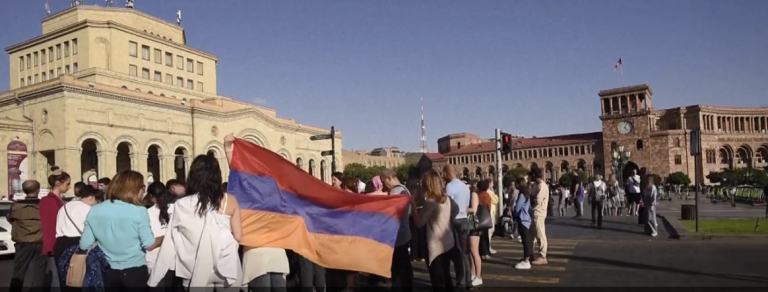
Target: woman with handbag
<point x="70" y="223"/>
<point x="475" y="261"/>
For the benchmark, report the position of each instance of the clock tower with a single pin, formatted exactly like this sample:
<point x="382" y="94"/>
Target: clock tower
<point x="626" y="115"/>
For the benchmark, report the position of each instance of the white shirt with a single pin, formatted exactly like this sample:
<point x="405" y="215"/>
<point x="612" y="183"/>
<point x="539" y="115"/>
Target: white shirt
<point x="77" y="211"/>
<point x="158" y="229"/>
<point x="634" y="188"/>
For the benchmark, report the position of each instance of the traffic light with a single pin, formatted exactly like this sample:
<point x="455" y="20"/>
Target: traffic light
<point x="506" y="143"/>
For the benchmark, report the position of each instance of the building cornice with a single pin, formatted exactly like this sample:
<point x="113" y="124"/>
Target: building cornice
<point x="625" y="115"/>
<point x="625" y="90"/>
<point x="102" y="24"/>
<point x="115" y="9"/>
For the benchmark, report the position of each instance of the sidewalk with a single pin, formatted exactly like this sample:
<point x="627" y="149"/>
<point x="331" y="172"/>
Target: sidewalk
<point x="614" y="228"/>
<point x="709" y="210"/>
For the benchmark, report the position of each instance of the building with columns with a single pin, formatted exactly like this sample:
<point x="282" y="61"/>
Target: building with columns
<point x="657" y="139"/>
<point x="105" y="89"/>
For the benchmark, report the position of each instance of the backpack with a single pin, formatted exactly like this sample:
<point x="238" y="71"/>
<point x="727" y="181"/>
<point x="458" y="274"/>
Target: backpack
<point x="597" y="192"/>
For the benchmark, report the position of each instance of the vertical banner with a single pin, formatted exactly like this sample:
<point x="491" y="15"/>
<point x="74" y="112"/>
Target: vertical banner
<point x="17" y="167"/>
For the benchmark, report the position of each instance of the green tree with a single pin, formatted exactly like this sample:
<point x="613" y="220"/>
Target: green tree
<point x="741" y="176"/>
<point x="513" y="174"/>
<point x="355" y="170"/>
<point x="678" y="178"/>
<point x="565" y="180"/>
<point x="656" y="179"/>
<point x="404" y="171"/>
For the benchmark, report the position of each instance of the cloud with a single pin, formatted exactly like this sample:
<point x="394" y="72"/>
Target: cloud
<point x="258" y="100"/>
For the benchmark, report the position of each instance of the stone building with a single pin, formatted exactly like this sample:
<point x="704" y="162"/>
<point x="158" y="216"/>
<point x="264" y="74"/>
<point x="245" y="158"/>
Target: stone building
<point x="657" y="139"/>
<point x="386" y="156"/>
<point x="105" y="89"/>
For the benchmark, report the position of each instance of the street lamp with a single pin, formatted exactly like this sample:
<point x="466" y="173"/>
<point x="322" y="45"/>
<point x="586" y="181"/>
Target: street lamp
<point x="619" y="160"/>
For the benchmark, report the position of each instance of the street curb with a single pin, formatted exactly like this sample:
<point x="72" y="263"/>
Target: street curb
<point x="677" y="231"/>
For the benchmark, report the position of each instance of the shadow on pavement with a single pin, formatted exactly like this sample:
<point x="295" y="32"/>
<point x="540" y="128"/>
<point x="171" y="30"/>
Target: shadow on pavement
<point x="749" y="278"/>
<point x="604" y="227"/>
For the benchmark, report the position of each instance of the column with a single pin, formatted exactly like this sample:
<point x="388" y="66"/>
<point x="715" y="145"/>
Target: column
<point x="102" y="155"/>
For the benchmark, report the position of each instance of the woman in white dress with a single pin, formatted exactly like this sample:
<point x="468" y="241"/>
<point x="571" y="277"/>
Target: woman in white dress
<point x="159" y="211"/>
<point x="205" y="230"/>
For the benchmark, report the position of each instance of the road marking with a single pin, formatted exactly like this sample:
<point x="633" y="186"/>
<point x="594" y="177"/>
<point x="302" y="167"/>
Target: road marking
<point x="511" y="265"/>
<point x="504" y="278"/>
<point x="520" y="251"/>
<point x="550" y="242"/>
<point x="549" y="246"/>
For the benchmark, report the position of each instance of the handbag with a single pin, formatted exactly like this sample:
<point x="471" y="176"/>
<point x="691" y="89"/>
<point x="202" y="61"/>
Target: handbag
<point x="78" y="264"/>
<point x="481" y="219"/>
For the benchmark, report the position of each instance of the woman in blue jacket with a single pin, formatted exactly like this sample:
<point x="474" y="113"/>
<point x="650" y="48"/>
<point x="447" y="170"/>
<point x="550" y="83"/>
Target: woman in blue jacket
<point x="521" y="214"/>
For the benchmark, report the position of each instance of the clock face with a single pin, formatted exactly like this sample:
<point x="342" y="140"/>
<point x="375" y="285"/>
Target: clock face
<point x="625" y="127"/>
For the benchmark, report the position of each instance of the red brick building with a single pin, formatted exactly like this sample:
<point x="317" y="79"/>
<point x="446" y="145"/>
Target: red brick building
<point x="657" y="140"/>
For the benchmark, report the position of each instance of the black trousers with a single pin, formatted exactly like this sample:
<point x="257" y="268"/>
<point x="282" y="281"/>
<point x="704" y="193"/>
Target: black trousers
<point x="269" y="282"/>
<point x="311" y="275"/>
<point x="130" y="279"/>
<point x="597" y="213"/>
<point x="485" y="243"/>
<point x="527" y="238"/>
<point x="402" y="269"/>
<point x="440" y="273"/>
<point x="460" y="255"/>
<point x="30" y="268"/>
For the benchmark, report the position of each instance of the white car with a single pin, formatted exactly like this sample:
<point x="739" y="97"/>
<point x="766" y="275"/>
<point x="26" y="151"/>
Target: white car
<point x="6" y="244"/>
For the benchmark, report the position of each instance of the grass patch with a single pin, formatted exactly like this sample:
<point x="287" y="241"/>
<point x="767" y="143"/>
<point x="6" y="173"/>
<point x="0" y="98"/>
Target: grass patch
<point x="727" y="226"/>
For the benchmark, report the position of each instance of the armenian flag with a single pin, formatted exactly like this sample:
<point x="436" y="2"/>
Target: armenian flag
<point x="284" y="206"/>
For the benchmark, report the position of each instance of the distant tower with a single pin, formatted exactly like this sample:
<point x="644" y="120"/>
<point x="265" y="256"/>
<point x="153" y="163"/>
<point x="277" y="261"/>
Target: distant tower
<point x="423" y="148"/>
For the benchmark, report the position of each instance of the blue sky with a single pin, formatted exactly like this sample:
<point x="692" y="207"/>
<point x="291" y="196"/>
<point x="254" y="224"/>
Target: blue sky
<point x="528" y="67"/>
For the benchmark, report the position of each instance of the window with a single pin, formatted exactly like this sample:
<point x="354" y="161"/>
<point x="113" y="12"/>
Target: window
<point x="200" y="68"/>
<point x="37" y="79"/>
<point x="168" y="59"/>
<point x="66" y="49"/>
<point x="29" y="61"/>
<point x="66" y="69"/>
<point x="44" y="76"/>
<point x="639" y="144"/>
<point x="145" y="52"/>
<point x="190" y="84"/>
<point x="21" y="63"/>
<point x="179" y="82"/>
<point x="169" y="79"/>
<point x="158" y="56"/>
<point x="190" y="65"/>
<point x="145" y="73"/>
<point x="50" y="74"/>
<point x="133" y="70"/>
<point x="132" y="49"/>
<point x="180" y="62"/>
<point x="36" y="59"/>
<point x="74" y="47"/>
<point x="200" y="86"/>
<point x="678" y="159"/>
<point x="29" y="80"/>
<point x="58" y="71"/>
<point x="74" y="67"/>
<point x="158" y="76"/>
<point x="21" y="81"/>
<point x="42" y="57"/>
<point x="50" y="54"/>
<point x="58" y="52"/>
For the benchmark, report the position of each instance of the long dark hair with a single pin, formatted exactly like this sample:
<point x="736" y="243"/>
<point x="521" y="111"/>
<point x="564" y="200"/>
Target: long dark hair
<point x="157" y="191"/>
<point x="205" y="180"/>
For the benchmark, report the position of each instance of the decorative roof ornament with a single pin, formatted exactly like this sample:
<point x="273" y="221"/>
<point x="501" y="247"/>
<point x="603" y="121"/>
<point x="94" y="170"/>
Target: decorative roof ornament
<point x="129" y="4"/>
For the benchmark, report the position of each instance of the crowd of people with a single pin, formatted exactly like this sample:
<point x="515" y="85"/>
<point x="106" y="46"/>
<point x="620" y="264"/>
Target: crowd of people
<point x="121" y="225"/>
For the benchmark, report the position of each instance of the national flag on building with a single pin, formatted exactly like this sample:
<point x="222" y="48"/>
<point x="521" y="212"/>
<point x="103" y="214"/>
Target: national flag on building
<point x="617" y="66"/>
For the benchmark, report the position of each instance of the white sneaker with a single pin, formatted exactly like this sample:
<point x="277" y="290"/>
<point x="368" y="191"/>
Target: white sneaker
<point x="654" y="234"/>
<point x="477" y="281"/>
<point x="493" y="251"/>
<point x="519" y="240"/>
<point x="524" y="265"/>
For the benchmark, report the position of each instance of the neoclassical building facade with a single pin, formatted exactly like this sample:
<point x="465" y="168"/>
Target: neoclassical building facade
<point x="657" y="139"/>
<point x="387" y="157"/>
<point x="106" y="89"/>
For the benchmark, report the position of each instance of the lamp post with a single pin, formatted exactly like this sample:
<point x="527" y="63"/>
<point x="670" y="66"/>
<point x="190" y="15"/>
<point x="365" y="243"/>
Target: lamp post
<point x="619" y="160"/>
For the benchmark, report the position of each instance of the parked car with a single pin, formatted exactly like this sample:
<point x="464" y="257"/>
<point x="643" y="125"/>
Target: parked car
<point x="6" y="244"/>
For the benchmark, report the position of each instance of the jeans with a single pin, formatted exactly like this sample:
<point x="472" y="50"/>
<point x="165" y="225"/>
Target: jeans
<point x="460" y="255"/>
<point x="129" y="279"/>
<point x="311" y="276"/>
<point x="269" y="282"/>
<point x="579" y="206"/>
<point x="440" y="273"/>
<point x="402" y="269"/>
<point x="651" y="226"/>
<point x="527" y="238"/>
<point x="597" y="213"/>
<point x="561" y="209"/>
<point x="30" y="267"/>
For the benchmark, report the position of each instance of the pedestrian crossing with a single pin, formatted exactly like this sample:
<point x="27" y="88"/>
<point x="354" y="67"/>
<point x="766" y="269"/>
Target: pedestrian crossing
<point x="499" y="270"/>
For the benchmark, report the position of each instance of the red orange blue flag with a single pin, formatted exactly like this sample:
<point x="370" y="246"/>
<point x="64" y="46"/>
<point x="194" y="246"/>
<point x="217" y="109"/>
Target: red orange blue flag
<point x="284" y="206"/>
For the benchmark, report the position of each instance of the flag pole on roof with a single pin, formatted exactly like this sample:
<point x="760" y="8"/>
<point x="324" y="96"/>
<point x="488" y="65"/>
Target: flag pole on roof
<point x="620" y="68"/>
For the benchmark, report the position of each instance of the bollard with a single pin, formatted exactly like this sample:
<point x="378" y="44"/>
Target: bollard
<point x="757" y="224"/>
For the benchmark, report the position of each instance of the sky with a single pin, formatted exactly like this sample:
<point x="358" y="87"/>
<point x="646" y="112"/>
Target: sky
<point x="531" y="68"/>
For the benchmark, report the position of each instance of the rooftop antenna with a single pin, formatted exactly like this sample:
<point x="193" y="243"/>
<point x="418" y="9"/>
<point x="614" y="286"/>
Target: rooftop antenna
<point x="47" y="8"/>
<point x="423" y="148"/>
<point x="129" y="4"/>
<point x="178" y="17"/>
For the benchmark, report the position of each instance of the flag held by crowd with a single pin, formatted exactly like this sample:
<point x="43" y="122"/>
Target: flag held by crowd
<point x="283" y="206"/>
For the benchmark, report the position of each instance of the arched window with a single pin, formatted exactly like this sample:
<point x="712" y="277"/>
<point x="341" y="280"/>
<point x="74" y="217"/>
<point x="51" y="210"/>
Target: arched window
<point x="677" y="142"/>
<point x="639" y="144"/>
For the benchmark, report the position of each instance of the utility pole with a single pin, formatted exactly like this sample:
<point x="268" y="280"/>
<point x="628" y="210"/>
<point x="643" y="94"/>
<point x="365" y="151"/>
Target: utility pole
<point x="499" y="175"/>
<point x="332" y="152"/>
<point x="696" y="153"/>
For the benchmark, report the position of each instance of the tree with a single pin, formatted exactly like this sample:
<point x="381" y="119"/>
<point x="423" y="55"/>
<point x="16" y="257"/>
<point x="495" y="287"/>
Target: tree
<point x="741" y="176"/>
<point x="678" y="178"/>
<point x="404" y="171"/>
<point x="656" y="179"/>
<point x="354" y="169"/>
<point x="513" y="174"/>
<point x="565" y="180"/>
